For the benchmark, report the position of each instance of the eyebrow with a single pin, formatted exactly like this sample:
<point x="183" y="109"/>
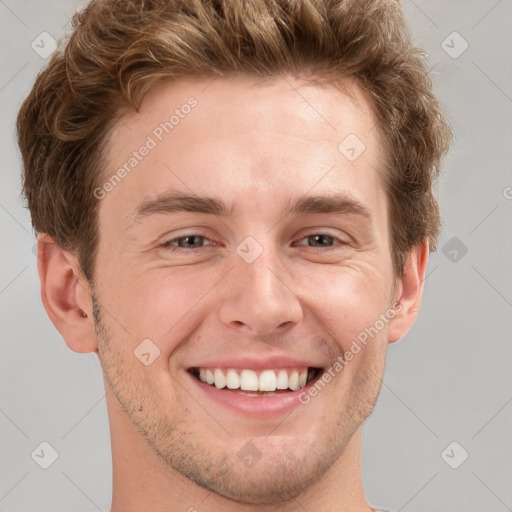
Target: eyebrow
<point x="171" y="203"/>
<point x="337" y="203"/>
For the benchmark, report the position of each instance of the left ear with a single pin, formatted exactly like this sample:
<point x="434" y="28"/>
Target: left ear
<point x="410" y="291"/>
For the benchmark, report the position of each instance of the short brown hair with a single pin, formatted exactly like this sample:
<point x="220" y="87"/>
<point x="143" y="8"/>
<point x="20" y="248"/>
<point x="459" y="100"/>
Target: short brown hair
<point x="120" y="48"/>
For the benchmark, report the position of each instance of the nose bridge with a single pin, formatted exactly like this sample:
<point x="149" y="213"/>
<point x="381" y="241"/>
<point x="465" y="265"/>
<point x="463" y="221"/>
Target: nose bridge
<point x="260" y="299"/>
<point x="263" y="276"/>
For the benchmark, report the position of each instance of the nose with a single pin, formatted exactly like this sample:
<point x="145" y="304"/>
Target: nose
<point x="259" y="298"/>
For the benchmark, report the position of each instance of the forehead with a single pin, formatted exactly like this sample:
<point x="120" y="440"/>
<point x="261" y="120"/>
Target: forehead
<point x="245" y="139"/>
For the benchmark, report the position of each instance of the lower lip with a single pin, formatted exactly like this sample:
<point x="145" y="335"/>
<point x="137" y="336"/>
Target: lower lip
<point x="260" y="406"/>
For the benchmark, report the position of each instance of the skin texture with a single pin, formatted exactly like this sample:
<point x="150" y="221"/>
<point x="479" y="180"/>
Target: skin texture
<point x="264" y="145"/>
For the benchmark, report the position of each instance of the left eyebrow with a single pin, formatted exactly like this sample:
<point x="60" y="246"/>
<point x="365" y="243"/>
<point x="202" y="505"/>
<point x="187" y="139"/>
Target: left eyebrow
<point x="337" y="203"/>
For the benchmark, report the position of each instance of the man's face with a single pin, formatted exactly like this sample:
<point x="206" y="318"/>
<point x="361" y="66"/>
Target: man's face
<point x="264" y="287"/>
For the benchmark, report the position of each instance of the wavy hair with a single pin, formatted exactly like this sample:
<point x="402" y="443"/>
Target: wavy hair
<point x="119" y="49"/>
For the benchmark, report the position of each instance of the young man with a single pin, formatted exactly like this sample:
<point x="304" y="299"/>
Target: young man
<point x="235" y="210"/>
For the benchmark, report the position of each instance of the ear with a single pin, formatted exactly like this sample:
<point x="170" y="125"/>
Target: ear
<point x="410" y="292"/>
<point x="66" y="295"/>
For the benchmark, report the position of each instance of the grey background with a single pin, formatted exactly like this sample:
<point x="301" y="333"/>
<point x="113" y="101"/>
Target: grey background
<point x="448" y="380"/>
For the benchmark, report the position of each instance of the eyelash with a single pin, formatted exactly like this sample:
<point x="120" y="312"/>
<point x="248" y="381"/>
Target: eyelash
<point x="170" y="246"/>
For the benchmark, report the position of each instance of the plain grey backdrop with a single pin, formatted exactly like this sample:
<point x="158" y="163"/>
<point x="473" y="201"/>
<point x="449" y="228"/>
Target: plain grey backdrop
<point x="440" y="438"/>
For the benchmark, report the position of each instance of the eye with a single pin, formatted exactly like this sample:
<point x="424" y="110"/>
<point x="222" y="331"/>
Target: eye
<point x="186" y="242"/>
<point x="320" y="240"/>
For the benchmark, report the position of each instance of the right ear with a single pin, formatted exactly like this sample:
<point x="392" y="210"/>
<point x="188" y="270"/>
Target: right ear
<point x="66" y="295"/>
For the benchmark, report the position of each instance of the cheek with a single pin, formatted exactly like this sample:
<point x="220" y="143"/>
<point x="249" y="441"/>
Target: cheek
<point x="348" y="302"/>
<point x="164" y="305"/>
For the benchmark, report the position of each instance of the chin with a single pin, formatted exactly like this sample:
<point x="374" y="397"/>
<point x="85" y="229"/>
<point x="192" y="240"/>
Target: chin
<point x="279" y="471"/>
<point x="268" y="484"/>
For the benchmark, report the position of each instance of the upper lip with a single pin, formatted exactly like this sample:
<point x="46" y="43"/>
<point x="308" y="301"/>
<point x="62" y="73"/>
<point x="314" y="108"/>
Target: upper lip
<point x="258" y="363"/>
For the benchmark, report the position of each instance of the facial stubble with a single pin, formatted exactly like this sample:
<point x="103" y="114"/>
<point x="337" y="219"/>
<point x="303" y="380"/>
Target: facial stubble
<point x="284" y="471"/>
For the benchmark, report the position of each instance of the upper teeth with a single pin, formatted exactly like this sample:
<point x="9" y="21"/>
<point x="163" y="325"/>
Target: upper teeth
<point x="249" y="380"/>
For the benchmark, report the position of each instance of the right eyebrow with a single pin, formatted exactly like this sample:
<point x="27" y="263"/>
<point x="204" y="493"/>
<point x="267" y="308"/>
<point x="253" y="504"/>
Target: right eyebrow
<point x="171" y="203"/>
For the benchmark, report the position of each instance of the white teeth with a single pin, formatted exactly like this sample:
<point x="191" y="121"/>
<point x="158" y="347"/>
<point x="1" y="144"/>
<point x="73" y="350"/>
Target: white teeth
<point x="293" y="380"/>
<point x="220" y="379"/>
<point x="232" y="379"/>
<point x="303" y="378"/>
<point x="249" y="380"/>
<point x="268" y="380"/>
<point x="282" y="380"/>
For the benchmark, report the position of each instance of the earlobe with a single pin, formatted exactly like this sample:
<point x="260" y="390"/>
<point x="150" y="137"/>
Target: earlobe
<point x="410" y="288"/>
<point x="66" y="295"/>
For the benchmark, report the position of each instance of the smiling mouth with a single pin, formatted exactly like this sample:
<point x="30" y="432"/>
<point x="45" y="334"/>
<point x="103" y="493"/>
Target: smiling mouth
<point x="248" y="382"/>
